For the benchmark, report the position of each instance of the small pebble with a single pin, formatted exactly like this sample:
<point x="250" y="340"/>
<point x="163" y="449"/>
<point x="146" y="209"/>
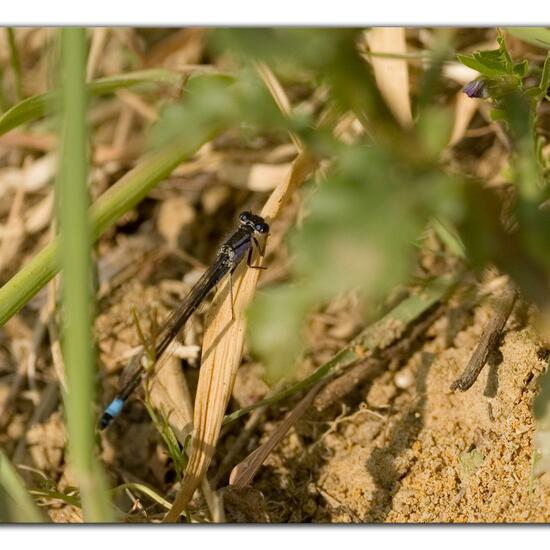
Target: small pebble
<point x="404" y="379"/>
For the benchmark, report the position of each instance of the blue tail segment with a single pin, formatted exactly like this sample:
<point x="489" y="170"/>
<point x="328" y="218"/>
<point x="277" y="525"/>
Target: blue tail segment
<point x="112" y="411"/>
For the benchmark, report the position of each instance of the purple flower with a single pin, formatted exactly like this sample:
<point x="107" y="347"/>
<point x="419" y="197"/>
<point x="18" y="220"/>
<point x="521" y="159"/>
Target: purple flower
<point x="475" y="88"/>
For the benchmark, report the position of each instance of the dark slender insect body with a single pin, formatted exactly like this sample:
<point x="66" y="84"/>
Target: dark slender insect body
<point x="229" y="256"/>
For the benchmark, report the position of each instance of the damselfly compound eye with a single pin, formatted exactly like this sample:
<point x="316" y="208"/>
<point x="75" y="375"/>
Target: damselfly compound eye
<point x="261" y="227"/>
<point x="245" y="217"/>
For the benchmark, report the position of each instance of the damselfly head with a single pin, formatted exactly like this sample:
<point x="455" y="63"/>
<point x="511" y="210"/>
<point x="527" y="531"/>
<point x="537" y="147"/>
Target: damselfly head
<point x="256" y="223"/>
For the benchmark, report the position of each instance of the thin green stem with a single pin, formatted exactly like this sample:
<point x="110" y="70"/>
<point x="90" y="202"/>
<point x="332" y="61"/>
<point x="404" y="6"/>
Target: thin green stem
<point x="15" y="63"/>
<point x="404" y="313"/>
<point x="115" y="202"/>
<point x="75" y="249"/>
<point x="16" y="505"/>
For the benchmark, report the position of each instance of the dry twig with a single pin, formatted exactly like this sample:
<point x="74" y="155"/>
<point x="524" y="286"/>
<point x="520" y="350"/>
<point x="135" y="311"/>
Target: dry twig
<point x="488" y="341"/>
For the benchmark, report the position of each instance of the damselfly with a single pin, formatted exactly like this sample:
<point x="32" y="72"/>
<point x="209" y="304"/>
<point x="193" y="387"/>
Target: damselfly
<point x="230" y="254"/>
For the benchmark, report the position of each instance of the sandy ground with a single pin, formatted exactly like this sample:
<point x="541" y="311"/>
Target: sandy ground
<point x="413" y="451"/>
<point x="401" y="447"/>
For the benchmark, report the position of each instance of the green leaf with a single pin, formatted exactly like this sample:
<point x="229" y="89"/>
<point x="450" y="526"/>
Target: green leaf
<point x="495" y="63"/>
<point x="538" y="36"/>
<point x="37" y="106"/>
<point x="503" y="51"/>
<point x="521" y="69"/>
<point x="485" y="63"/>
<point x="472" y="62"/>
<point x="545" y="77"/>
<point x="492" y="62"/>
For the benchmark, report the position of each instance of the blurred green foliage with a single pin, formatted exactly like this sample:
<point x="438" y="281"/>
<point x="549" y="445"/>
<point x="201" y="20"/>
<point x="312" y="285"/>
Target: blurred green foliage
<point x="515" y="91"/>
<point x="213" y="103"/>
<point x="378" y="195"/>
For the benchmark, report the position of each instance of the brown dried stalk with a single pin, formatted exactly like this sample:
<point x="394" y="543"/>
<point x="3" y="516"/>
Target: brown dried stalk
<point x="243" y="474"/>
<point x="223" y="346"/>
<point x="488" y="341"/>
<point x="344" y="384"/>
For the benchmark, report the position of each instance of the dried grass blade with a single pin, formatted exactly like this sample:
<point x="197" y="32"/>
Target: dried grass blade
<point x="392" y="75"/>
<point x="170" y="394"/>
<point x="279" y="96"/>
<point x="99" y="39"/>
<point x="243" y="474"/>
<point x="465" y="109"/>
<point x="222" y="349"/>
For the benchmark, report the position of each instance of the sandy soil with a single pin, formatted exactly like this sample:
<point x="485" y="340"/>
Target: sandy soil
<point x="411" y="450"/>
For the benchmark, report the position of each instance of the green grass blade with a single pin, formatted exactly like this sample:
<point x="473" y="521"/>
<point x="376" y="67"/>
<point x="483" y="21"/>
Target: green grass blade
<point x="449" y="236"/>
<point x="115" y="202"/>
<point x="153" y="495"/>
<point x="403" y="314"/>
<point x="16" y="504"/>
<point x="75" y="250"/>
<point x="538" y="36"/>
<point x="40" y="105"/>
<point x="15" y="62"/>
<point x="50" y="495"/>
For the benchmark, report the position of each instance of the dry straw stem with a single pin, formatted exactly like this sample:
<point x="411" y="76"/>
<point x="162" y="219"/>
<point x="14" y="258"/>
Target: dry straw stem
<point x="243" y="474"/>
<point x="465" y="109"/>
<point x="170" y="394"/>
<point x="223" y="346"/>
<point x="392" y="75"/>
<point x="274" y="86"/>
<point x="488" y="341"/>
<point x="226" y="326"/>
<point x="99" y="39"/>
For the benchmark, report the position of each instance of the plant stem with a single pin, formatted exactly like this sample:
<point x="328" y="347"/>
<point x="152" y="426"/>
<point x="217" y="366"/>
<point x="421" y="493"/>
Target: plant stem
<point x="75" y="240"/>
